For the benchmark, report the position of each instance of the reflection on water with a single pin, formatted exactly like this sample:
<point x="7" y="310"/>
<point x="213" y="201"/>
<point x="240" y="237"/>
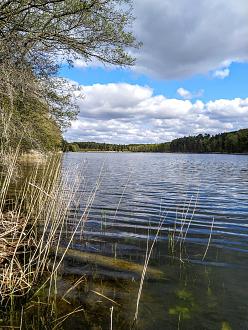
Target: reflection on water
<point x="189" y="190"/>
<point x="203" y="202"/>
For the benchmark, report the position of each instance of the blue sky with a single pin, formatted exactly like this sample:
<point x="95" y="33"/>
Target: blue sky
<point x="235" y="85"/>
<point x="190" y="77"/>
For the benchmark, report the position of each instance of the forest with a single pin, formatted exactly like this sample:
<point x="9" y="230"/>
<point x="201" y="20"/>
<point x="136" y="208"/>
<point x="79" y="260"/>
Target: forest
<point x="95" y="146"/>
<point x="232" y="142"/>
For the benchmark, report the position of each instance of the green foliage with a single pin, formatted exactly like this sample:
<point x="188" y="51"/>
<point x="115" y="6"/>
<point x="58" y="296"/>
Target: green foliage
<point x="186" y="305"/>
<point x="89" y="28"/>
<point x="73" y="147"/>
<point x="225" y="326"/>
<point x="36" y="36"/>
<point x="184" y="294"/>
<point x="27" y="120"/>
<point x="184" y="312"/>
<point x="94" y="146"/>
<point x="233" y="142"/>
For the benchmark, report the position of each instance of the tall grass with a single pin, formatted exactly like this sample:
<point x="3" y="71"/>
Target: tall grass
<point x="32" y="229"/>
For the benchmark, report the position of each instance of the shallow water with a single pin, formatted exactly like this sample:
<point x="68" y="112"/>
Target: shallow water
<point x="197" y="274"/>
<point x="202" y="245"/>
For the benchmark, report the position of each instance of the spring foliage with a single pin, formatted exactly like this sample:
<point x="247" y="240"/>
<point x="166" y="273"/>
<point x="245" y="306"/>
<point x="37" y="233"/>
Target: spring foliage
<point x="36" y="37"/>
<point x="232" y="142"/>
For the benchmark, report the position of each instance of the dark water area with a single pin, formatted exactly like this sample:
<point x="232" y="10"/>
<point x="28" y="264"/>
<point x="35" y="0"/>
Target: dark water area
<point x="202" y="247"/>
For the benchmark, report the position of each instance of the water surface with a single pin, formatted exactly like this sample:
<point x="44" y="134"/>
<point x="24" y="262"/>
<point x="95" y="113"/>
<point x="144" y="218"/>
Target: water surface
<point x="202" y="245"/>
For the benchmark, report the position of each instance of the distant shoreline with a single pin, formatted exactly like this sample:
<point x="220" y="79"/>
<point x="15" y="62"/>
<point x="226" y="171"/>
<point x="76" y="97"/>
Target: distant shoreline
<point x="159" y="152"/>
<point x="225" y="143"/>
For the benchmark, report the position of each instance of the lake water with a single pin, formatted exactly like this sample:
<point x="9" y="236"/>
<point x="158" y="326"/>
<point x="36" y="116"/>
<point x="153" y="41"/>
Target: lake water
<point x="202" y="246"/>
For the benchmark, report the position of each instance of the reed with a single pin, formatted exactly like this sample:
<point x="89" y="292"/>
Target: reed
<point x="145" y="267"/>
<point x="27" y="248"/>
<point x="31" y="232"/>
<point x="209" y="240"/>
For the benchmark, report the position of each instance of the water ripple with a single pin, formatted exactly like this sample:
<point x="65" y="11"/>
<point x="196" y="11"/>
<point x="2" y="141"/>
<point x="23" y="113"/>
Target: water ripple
<point x="138" y="190"/>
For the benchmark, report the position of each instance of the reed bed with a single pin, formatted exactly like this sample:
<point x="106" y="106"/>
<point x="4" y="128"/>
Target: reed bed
<point x="33" y="222"/>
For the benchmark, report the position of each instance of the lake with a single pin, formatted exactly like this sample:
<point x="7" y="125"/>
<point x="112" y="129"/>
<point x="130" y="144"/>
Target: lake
<point x="200" y="201"/>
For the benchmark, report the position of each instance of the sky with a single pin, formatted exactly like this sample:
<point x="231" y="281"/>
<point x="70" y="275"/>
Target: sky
<point x="190" y="76"/>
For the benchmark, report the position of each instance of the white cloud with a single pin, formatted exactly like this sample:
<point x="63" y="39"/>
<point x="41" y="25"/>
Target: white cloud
<point x="229" y="110"/>
<point x="184" y="93"/>
<point x="187" y="95"/>
<point x="81" y="63"/>
<point x="221" y="74"/>
<point x="125" y="113"/>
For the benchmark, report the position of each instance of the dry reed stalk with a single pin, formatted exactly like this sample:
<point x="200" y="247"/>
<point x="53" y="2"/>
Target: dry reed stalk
<point x="74" y="286"/>
<point x="102" y="295"/>
<point x="192" y="215"/>
<point x="209" y="239"/>
<point x="46" y="202"/>
<point x="64" y="317"/>
<point x="147" y="258"/>
<point x="184" y="226"/>
<point x="111" y="317"/>
<point x="38" y="222"/>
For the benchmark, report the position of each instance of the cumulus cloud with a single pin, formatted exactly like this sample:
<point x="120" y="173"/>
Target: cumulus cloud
<point x="180" y="40"/>
<point x="184" y="93"/>
<point x="187" y="95"/>
<point x="221" y="74"/>
<point x="125" y="113"/>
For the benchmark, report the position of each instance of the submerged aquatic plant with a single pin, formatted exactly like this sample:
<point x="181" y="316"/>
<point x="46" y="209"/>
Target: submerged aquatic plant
<point x="182" y="311"/>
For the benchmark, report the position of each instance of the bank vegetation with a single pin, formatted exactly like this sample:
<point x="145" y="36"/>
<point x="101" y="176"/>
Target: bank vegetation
<point x="231" y="142"/>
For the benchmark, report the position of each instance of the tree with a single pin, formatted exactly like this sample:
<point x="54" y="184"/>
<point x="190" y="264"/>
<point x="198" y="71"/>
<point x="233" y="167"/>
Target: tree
<point x="88" y="28"/>
<point x="37" y="36"/>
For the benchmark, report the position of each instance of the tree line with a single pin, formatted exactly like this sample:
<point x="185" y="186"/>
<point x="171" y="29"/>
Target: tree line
<point x="95" y="146"/>
<point x="232" y="142"/>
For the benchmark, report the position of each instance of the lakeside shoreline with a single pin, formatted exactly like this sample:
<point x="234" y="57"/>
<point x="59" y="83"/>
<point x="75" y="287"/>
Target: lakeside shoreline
<point x="158" y="152"/>
<point x="231" y="143"/>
